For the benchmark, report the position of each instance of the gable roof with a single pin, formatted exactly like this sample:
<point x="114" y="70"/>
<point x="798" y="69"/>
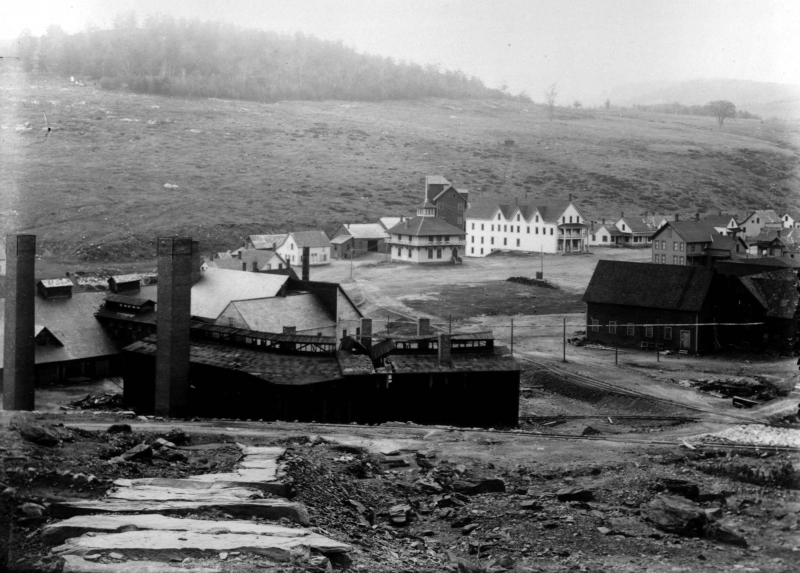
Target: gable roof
<point x="435" y="180"/>
<point x="636" y="225"/>
<point x="72" y="321"/>
<point x="776" y="290"/>
<point x="266" y="241"/>
<point x="719" y="220"/>
<point x="549" y="211"/>
<point x="648" y="285"/>
<point x="51" y="283"/>
<point x="303" y="311"/>
<point x="366" y="230"/>
<point x="765" y="216"/>
<point x="421" y="226"/>
<point x="310" y="239"/>
<point x="691" y="231"/>
<point x="217" y="288"/>
<point x="389" y="222"/>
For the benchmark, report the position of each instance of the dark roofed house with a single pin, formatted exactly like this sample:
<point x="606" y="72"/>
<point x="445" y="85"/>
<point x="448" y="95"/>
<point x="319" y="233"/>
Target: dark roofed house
<point x="644" y="305"/>
<point x="450" y="203"/>
<point x="296" y="377"/>
<point x="124" y="283"/>
<point x="694" y="243"/>
<point x="426" y="239"/>
<point x="358" y="239"/>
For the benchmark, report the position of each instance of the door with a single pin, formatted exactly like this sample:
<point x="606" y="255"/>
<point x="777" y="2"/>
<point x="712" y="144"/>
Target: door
<point x="686" y="340"/>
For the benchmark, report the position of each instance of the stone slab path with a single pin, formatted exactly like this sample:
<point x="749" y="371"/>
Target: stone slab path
<point x="136" y="522"/>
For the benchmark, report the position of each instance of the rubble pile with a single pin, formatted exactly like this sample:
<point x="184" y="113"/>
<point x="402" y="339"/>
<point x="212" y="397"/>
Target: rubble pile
<point x="111" y="402"/>
<point x="758" y="388"/>
<point x="755" y="435"/>
<point x="533" y="282"/>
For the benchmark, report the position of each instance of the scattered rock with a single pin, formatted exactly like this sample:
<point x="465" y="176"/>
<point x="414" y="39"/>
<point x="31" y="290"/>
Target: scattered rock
<point x="725" y="534"/>
<point x="469" y="528"/>
<point x="475" y="487"/>
<point x="677" y="515"/>
<point x="119" y="429"/>
<point x="531" y="505"/>
<point x="140" y="452"/>
<point x="117" y="556"/>
<point x="589" y="431"/>
<point x="32" y="509"/>
<point x="399" y="514"/>
<point x="36" y="433"/>
<point x="428" y="486"/>
<point x="574" y="494"/>
<point x="461" y="521"/>
<point x="713" y="513"/>
<point x="685" y="488"/>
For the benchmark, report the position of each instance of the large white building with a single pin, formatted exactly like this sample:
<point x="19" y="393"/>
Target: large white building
<point x="556" y="227"/>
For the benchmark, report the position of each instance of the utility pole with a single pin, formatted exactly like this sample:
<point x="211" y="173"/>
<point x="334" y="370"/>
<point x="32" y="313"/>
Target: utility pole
<point x="658" y="323"/>
<point x="512" y="337"/>
<point x="352" y="253"/>
<point x="616" y="354"/>
<point x="450" y="324"/>
<point x="564" y="359"/>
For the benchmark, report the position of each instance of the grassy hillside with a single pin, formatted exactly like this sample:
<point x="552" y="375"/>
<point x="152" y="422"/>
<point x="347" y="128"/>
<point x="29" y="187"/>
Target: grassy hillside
<point x="94" y="189"/>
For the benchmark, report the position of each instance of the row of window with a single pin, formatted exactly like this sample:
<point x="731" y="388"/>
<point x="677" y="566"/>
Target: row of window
<point x="675" y="246"/>
<point x="563" y="219"/>
<point x="430" y="253"/>
<point x="676" y="260"/>
<point x="505" y="241"/>
<point x="460" y="206"/>
<point x="506" y="230"/>
<point x="431" y="239"/>
<point x="630" y="329"/>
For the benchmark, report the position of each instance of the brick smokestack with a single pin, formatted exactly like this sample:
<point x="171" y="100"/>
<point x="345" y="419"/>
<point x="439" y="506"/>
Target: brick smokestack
<point x="172" y="325"/>
<point x="423" y="326"/>
<point x="366" y="332"/>
<point x="20" y="358"/>
<point x="196" y="263"/>
<point x="306" y="263"/>
<point x="444" y="347"/>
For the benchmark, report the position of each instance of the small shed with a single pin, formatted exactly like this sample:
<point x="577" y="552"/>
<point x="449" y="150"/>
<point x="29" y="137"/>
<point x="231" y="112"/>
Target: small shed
<point x="124" y="283"/>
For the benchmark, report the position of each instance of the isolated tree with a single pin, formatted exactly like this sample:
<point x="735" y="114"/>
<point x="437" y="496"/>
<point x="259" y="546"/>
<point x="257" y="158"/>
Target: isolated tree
<point x="550" y="100"/>
<point x="607" y="103"/>
<point x="577" y="104"/>
<point x="722" y="110"/>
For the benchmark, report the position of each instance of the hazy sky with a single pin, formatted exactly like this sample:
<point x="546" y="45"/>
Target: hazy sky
<point x="585" y="46"/>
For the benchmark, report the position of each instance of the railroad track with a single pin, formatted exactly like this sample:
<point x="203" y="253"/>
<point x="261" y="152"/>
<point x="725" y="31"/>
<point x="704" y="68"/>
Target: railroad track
<point x="612" y="417"/>
<point x="601" y="385"/>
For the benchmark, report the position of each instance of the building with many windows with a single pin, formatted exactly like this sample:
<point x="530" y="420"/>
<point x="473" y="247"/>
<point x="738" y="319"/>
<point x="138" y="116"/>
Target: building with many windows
<point x="557" y="227"/>
<point x="450" y="203"/>
<point x="694" y="243"/>
<point x="426" y="239"/>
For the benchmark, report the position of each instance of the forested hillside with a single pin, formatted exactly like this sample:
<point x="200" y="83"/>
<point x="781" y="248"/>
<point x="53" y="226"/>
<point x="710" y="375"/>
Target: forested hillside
<point x="166" y="56"/>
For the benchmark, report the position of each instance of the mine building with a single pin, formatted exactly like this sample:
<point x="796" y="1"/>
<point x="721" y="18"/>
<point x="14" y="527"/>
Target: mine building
<point x="426" y="239"/>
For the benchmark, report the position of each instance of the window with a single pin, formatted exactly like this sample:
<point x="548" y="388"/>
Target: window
<point x="492" y="227"/>
<point x="664" y="259"/>
<point x="570" y="218"/>
<point x="612" y="327"/>
<point x="518" y="242"/>
<point x="551" y="231"/>
<point x="481" y="226"/>
<point x="481" y="240"/>
<point x="664" y="245"/>
<point x="505" y="241"/>
<point x="473" y="226"/>
<point x="438" y="253"/>
<point x="461" y="206"/>
<point x="691" y="248"/>
<point x="505" y="228"/>
<point x="492" y="240"/>
<point x="517" y="216"/>
<point x="674" y="246"/>
<point x="441" y="206"/>
<point x="674" y="259"/>
<point x="481" y="250"/>
<point x="459" y="220"/>
<point x="324" y="257"/>
<point x="681" y="247"/>
<point x="682" y="261"/>
<point x="517" y="228"/>
<point x="529" y="230"/>
<point x="648" y="332"/>
<point x="498" y="216"/>
<point x="623" y="226"/>
<point x="605" y="239"/>
<point x="537" y="230"/>
<point x="630" y="330"/>
<point x="472" y="250"/>
<point x="473" y="239"/>
<point x="430" y="253"/>
<point x="595" y="325"/>
<point x="447" y="239"/>
<point x="655" y="258"/>
<point x="667" y="333"/>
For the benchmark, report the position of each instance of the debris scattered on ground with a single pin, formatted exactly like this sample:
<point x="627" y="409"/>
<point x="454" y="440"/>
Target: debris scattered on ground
<point x="756" y="435"/>
<point x="99" y="402"/>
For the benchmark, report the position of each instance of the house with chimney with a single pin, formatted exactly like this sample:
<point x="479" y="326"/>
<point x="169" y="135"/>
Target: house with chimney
<point x="252" y="260"/>
<point x="695" y="242"/>
<point x="264" y="242"/>
<point x="635" y="231"/>
<point x="603" y="235"/>
<point x="548" y="227"/>
<point x="317" y="241"/>
<point x="759" y="220"/>
<point x="426" y="239"/>
<point x="450" y="202"/>
<point x="724" y="224"/>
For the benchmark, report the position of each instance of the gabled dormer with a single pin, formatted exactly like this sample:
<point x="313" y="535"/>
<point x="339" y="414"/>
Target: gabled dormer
<point x="426" y="209"/>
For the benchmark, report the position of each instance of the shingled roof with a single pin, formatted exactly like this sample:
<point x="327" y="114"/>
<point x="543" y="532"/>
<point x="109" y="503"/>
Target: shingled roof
<point x="422" y="226"/>
<point x="266" y="241"/>
<point x="647" y="285"/>
<point x="366" y="230"/>
<point x="311" y="239"/>
<point x="691" y="231"/>
<point x="549" y="211"/>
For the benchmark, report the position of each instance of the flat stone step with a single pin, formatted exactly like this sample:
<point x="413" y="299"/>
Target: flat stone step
<point x="264" y="479"/>
<point x="275" y="488"/>
<point x="263" y="508"/>
<point x="161" y="493"/>
<point x="56" y="533"/>
<point x="77" y="564"/>
<point x="166" y="545"/>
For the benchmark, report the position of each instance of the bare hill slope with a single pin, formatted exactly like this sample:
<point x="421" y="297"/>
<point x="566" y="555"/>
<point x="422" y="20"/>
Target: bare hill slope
<point x="94" y="189"/>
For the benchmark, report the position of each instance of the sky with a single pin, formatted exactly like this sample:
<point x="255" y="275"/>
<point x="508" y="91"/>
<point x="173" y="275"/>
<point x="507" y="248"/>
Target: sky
<point x="585" y="47"/>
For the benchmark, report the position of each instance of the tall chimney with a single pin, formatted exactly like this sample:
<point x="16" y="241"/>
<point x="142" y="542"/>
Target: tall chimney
<point x="444" y="347"/>
<point x="20" y="358"/>
<point x="697" y="216"/>
<point x="677" y="217"/>
<point x="306" y="263"/>
<point x="274" y="247"/>
<point x="366" y="332"/>
<point x="172" y="326"/>
<point x="196" y="263"/>
<point x="423" y="326"/>
<point x="622" y="214"/>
